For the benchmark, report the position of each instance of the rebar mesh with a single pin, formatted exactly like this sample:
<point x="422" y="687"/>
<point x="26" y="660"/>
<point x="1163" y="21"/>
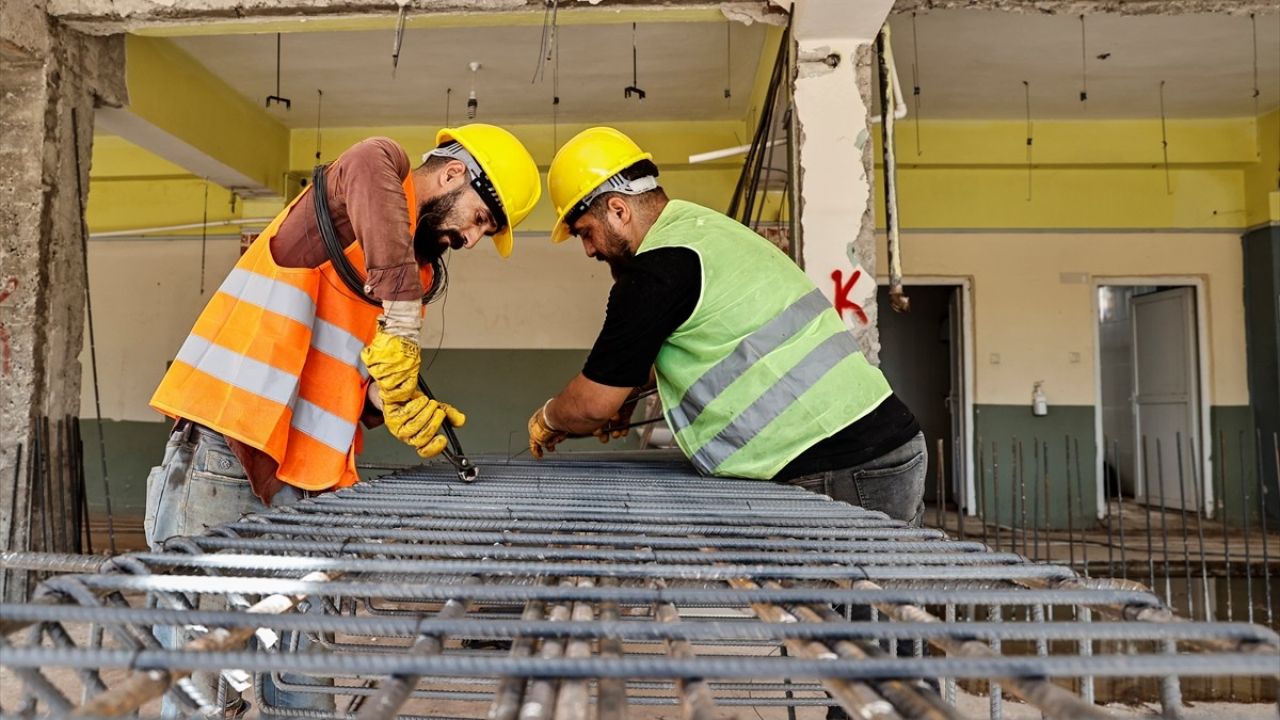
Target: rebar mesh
<point x="585" y="587"/>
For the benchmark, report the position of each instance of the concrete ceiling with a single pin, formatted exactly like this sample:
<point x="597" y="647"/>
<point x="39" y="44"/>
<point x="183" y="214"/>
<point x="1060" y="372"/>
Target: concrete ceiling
<point x="682" y="67"/>
<point x="972" y="64"/>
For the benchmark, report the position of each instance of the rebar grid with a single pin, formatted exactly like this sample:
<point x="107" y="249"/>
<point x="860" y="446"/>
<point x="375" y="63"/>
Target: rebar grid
<point x="580" y="588"/>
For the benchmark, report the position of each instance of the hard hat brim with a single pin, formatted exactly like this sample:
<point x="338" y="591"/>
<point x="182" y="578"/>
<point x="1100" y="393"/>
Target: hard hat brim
<point x="504" y="240"/>
<point x="561" y="231"/>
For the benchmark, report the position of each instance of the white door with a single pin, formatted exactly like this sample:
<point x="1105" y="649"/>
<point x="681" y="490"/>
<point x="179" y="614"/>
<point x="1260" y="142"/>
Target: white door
<point x="1166" y="394"/>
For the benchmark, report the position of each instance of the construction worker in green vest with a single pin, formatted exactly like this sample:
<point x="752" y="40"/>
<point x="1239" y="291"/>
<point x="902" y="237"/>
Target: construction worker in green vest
<point x="757" y="373"/>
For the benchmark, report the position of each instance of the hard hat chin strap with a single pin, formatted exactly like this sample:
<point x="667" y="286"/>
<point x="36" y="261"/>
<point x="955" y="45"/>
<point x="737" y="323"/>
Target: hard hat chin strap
<point x="615" y="184"/>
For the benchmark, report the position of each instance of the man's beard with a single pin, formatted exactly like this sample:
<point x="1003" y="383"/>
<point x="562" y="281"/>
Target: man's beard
<point x="619" y="253"/>
<point x="431" y="240"/>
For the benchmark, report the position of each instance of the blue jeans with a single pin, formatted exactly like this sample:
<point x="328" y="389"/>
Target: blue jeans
<point x="892" y="483"/>
<point x="201" y="484"/>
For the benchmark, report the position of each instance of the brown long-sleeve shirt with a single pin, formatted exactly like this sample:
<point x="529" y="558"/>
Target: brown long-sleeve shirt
<point x="365" y="190"/>
<point x="366" y="201"/>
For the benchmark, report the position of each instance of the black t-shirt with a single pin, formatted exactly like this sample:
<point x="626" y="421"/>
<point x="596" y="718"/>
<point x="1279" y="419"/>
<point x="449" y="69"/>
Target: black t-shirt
<point x="653" y="295"/>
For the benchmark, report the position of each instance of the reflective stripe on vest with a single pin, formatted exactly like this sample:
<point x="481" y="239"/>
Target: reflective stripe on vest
<point x="763" y="368"/>
<point x="273" y="361"/>
<point x="768" y="338"/>
<point x="776" y="399"/>
<point x="278" y="297"/>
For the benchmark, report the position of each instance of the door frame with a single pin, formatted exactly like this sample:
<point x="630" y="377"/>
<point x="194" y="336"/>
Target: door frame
<point x="1200" y="284"/>
<point x="967" y="369"/>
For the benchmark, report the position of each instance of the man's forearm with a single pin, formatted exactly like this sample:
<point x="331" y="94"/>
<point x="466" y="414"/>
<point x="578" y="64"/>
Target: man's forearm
<point x="584" y="406"/>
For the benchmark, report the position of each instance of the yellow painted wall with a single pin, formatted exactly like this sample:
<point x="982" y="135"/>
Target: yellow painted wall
<point x="1099" y="175"/>
<point x="1262" y="181"/>
<point x="1025" y="312"/>
<point x="965" y="209"/>
<point x="180" y="96"/>
<point x="116" y="205"/>
<point x="117" y="158"/>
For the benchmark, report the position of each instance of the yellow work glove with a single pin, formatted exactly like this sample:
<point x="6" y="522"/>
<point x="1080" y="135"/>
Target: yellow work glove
<point x="418" y="423"/>
<point x="543" y="437"/>
<point x="393" y="363"/>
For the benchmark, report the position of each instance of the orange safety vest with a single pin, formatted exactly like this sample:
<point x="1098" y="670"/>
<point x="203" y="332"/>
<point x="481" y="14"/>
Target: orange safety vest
<point x="274" y="362"/>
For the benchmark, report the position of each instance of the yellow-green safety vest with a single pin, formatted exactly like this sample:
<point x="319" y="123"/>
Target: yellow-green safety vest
<point x="764" y="368"/>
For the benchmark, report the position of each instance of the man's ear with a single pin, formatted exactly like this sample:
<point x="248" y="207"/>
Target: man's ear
<point x="451" y="173"/>
<point x="620" y="210"/>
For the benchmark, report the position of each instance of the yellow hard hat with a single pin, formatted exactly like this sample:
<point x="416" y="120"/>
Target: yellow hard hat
<point x="583" y="164"/>
<point x="509" y="173"/>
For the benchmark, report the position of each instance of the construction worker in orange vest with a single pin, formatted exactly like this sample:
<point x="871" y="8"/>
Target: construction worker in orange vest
<point x="316" y="330"/>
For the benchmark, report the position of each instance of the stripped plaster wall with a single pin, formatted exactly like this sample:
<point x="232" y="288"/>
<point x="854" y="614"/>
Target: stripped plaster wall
<point x="832" y="97"/>
<point x="51" y="79"/>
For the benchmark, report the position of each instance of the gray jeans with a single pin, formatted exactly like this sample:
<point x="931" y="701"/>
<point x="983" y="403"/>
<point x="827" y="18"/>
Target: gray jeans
<point x="201" y="484"/>
<point x="892" y="483"/>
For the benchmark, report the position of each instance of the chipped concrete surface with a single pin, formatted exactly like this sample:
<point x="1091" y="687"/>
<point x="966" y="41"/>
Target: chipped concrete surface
<point x="836" y="190"/>
<point x="41" y="223"/>
<point x="749" y="13"/>
<point x="101" y="17"/>
<point x="1094" y="7"/>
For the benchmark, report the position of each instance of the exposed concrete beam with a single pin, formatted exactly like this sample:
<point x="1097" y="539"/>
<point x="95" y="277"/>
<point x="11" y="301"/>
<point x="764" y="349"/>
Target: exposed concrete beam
<point x="1095" y="7"/>
<point x="199" y="17"/>
<point x="185" y="114"/>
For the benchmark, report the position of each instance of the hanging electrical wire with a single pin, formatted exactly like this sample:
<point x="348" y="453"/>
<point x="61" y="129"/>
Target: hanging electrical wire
<point x="473" y="104"/>
<point x="915" y="80"/>
<point x="204" y="233"/>
<point x="1030" y="136"/>
<point x="1257" y="92"/>
<point x="550" y="19"/>
<point x="728" y="61"/>
<point x="555" y="99"/>
<point x="319" y="102"/>
<point x="398" y="40"/>
<point x="1164" y="142"/>
<point x="1084" y="66"/>
<point x="448" y="97"/>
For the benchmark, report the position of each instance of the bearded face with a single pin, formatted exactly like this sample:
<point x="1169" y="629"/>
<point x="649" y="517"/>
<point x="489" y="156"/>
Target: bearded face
<point x="438" y="221"/>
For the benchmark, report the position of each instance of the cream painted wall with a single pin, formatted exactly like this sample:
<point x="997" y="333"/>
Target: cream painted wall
<point x="1033" y="317"/>
<point x="146" y="297"/>
<point x="544" y="296"/>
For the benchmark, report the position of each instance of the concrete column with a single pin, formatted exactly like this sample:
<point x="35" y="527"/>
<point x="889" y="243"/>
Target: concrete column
<point x="833" y="85"/>
<point x="46" y="72"/>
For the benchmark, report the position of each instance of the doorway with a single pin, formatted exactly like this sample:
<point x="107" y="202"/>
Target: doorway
<point x="924" y="356"/>
<point x="1150" y="382"/>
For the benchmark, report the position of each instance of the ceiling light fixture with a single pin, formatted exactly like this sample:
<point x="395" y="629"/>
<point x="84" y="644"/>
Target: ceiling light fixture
<point x="473" y="105"/>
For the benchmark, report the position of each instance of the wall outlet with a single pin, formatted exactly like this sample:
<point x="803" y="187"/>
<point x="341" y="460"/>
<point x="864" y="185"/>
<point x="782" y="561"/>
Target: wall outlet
<point x="995" y="358"/>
